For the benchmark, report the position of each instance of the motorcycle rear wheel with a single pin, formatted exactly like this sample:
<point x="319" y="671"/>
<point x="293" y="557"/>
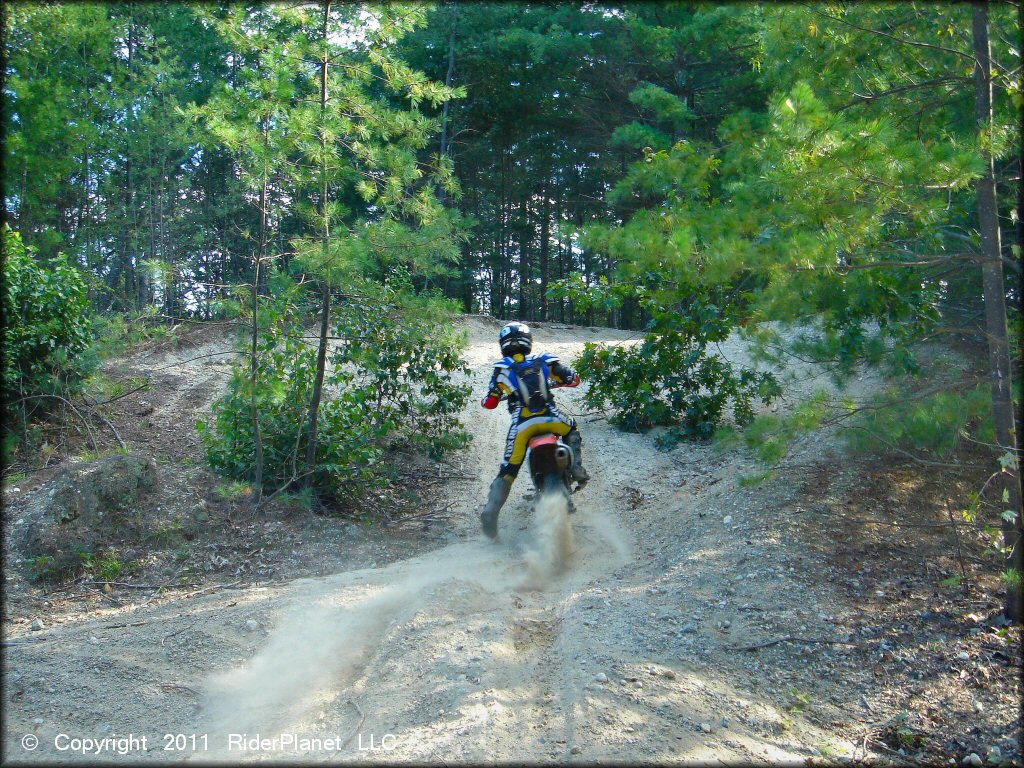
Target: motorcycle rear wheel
<point x="552" y="483"/>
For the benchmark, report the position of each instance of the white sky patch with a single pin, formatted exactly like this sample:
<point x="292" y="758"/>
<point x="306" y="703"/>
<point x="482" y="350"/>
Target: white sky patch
<point x="349" y="34"/>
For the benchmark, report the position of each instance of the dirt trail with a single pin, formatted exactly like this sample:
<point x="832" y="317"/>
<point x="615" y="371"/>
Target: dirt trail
<point x="185" y="380"/>
<point x="475" y="651"/>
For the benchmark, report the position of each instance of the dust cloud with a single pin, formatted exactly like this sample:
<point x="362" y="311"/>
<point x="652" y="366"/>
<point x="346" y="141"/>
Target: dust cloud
<point x="327" y="636"/>
<point x="603" y="524"/>
<point x="328" y="630"/>
<point x="553" y="545"/>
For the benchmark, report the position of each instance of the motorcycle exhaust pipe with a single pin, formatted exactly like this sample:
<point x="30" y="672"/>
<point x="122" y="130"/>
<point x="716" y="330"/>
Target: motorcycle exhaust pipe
<point x="563" y="456"/>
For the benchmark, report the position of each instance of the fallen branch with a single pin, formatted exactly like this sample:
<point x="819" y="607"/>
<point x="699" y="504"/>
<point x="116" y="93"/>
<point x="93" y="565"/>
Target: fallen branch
<point x="898" y="524"/>
<point x="122" y="584"/>
<point x="119" y="397"/>
<point x="107" y="597"/>
<point x="213" y="588"/>
<point x="69" y="404"/>
<point x="178" y="632"/>
<point x="93" y="411"/>
<point x="787" y="639"/>
<point x="179" y="320"/>
<point x="434" y="514"/>
<point x="177" y="687"/>
<point x="25" y="640"/>
<point x="457" y="477"/>
<point x="112" y="428"/>
<point x="907" y="759"/>
<point x="162" y="587"/>
<point x="189" y="360"/>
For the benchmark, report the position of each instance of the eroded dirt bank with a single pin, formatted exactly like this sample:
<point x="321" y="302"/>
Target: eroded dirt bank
<point x="697" y="620"/>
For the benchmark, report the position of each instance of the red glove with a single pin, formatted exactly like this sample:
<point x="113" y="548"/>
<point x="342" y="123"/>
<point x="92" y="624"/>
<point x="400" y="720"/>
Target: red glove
<point x="490" y="402"/>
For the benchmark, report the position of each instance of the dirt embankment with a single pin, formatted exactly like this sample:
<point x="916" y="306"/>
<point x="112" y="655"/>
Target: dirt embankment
<point x="696" y="619"/>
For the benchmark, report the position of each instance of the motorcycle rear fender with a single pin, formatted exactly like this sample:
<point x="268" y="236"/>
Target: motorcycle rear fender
<point x="548" y="439"/>
<point x="548" y="454"/>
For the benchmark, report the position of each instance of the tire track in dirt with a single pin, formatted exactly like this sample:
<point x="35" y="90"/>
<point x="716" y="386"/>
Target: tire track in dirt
<point x="194" y="374"/>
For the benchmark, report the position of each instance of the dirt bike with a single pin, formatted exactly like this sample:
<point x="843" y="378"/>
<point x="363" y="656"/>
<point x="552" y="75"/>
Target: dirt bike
<point x="550" y="460"/>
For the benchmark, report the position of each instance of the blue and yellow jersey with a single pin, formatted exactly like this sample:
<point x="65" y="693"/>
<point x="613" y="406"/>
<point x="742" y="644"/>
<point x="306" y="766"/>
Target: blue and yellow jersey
<point x="525" y="382"/>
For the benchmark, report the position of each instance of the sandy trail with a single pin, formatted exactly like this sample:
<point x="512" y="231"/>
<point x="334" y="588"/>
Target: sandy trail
<point x="338" y="635"/>
<point x="478" y="651"/>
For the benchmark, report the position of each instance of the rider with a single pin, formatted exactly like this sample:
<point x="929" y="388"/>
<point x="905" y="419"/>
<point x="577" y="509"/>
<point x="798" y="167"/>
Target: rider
<point x="523" y="379"/>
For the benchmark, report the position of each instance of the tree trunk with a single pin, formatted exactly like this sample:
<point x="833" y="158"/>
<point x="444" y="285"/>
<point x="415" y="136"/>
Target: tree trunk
<point x="146" y="283"/>
<point x="1000" y="373"/>
<point x="448" y="83"/>
<point x="171" y="294"/>
<point x="502" y="265"/>
<point x="23" y="223"/>
<point x="560" y="247"/>
<point x="466" y="280"/>
<point x="325" y="312"/>
<point x="524" y="261"/>
<point x="545" y="235"/>
<point x="318" y="384"/>
<point x="253" y="361"/>
<point x="571" y="257"/>
<point x="126" y="277"/>
<point x="253" y="367"/>
<point x="612" y="314"/>
<point x="86" y="212"/>
<point x="495" y="284"/>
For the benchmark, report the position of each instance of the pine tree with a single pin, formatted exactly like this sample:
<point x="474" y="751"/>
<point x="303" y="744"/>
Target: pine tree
<point x="853" y="206"/>
<point x="324" y="104"/>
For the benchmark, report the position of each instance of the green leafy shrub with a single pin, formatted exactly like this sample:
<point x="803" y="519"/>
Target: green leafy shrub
<point x="401" y="362"/>
<point x="46" y="327"/>
<point x="389" y="383"/>
<point x="670" y="380"/>
<point x="109" y="568"/>
<point x="281" y="397"/>
<point x="41" y="568"/>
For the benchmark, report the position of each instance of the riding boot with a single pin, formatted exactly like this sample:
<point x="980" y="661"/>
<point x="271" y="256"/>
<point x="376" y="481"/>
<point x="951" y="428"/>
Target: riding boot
<point x="496" y="497"/>
<point x="575" y="441"/>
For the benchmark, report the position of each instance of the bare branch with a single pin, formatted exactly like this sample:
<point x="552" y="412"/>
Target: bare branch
<point x="119" y="397"/>
<point x="901" y="451"/>
<point x="189" y="360"/>
<point x="70" y="405"/>
<point x="866" y="97"/>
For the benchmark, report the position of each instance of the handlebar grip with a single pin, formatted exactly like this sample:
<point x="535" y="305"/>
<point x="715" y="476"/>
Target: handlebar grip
<point x="570" y="384"/>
